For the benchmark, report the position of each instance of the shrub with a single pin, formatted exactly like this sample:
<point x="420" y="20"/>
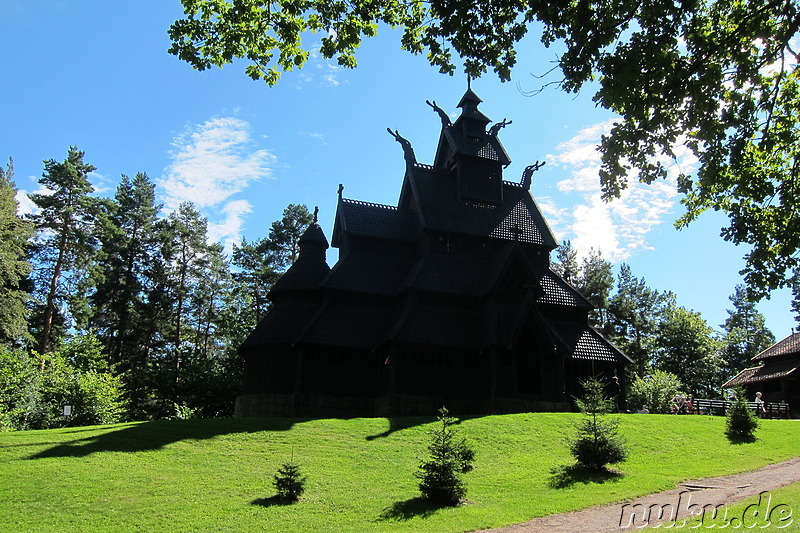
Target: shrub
<point x="741" y="423"/>
<point x="597" y="442"/>
<point x="288" y="482"/>
<point x="440" y="476"/>
<point x="655" y="391"/>
<point x="35" y="388"/>
<point x="98" y="399"/>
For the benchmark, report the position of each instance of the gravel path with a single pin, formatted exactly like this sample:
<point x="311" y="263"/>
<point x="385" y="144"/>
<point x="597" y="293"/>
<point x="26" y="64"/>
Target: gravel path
<point x="689" y="496"/>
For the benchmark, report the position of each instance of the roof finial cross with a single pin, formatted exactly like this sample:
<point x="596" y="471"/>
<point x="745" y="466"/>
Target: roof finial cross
<point x="516" y="231"/>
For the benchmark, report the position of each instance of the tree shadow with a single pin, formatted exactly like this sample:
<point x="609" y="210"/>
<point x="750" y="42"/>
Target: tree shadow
<point x="403" y="422"/>
<point x="272" y="501"/>
<point x="418" y="507"/>
<point x="740" y="439"/>
<point x="565" y="476"/>
<point x="399" y="423"/>
<point x="156" y="434"/>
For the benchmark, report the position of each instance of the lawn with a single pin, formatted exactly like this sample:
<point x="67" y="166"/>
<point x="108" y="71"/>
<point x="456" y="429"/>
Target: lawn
<point x="215" y="475"/>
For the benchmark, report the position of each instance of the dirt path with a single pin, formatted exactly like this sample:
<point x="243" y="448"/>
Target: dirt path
<point x="688" y="498"/>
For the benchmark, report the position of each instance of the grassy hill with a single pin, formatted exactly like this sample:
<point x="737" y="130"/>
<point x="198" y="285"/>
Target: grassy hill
<point x="215" y="475"/>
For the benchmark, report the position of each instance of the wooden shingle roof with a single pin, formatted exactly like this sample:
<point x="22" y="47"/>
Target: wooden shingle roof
<point x="559" y="292"/>
<point x="283" y="324"/>
<point x="348" y="325"/>
<point x="584" y="342"/>
<point x="517" y="219"/>
<point x="757" y="374"/>
<point x="788" y="346"/>
<point x="373" y="220"/>
<point x="364" y="272"/>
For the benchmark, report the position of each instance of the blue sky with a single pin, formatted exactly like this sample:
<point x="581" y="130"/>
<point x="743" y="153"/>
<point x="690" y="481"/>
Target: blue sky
<point x="96" y="74"/>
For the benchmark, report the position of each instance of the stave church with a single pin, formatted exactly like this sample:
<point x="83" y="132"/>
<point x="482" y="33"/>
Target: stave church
<point x="446" y="298"/>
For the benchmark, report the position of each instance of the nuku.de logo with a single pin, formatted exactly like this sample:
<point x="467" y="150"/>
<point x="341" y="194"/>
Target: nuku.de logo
<point x="680" y="514"/>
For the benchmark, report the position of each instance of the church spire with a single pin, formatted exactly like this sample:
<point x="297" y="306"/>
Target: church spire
<point x="472" y="121"/>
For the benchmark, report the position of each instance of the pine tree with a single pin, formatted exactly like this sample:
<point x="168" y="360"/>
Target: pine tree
<point x="289" y="482"/>
<point x="595" y="283"/>
<point x="740" y="421"/>
<point x="187" y="256"/>
<point x="449" y="458"/>
<point x="284" y="234"/>
<point x="687" y="347"/>
<point x="127" y="247"/>
<point x="15" y="234"/>
<point x="635" y="312"/>
<point x="65" y="247"/>
<point x="746" y="332"/>
<point x="566" y="261"/>
<point x="256" y="272"/>
<point x="597" y="442"/>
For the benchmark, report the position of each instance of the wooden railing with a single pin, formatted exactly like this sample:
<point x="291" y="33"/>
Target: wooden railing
<point x="720" y="407"/>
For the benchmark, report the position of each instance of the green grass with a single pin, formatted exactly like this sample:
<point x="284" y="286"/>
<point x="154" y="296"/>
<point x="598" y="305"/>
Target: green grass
<point x="215" y="475"/>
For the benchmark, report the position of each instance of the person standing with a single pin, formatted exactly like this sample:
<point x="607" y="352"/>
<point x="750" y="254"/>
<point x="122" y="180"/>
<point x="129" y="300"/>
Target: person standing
<point x="760" y="406"/>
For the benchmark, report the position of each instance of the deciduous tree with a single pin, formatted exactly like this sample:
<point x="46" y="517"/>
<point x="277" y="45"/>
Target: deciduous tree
<point x="686" y="346"/>
<point x="718" y="76"/>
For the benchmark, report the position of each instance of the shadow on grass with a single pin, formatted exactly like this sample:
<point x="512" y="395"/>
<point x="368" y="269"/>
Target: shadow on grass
<point x="400" y="423"/>
<point x="565" y="476"/>
<point x="404" y="422"/>
<point x="157" y="434"/>
<point x="406" y="510"/>
<point x="741" y="439"/>
<point x="272" y="501"/>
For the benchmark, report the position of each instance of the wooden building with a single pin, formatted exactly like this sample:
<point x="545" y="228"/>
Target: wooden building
<point x="776" y="374"/>
<point x="446" y="298"/>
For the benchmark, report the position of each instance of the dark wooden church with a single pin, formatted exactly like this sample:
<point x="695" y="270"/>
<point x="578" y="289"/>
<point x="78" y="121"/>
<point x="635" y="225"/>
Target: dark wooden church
<point x="445" y="299"/>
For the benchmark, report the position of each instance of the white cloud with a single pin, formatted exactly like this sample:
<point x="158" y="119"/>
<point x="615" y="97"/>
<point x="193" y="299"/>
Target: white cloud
<point x="26" y="206"/>
<point x="212" y="162"/>
<point x="227" y="230"/>
<point x="618" y="228"/>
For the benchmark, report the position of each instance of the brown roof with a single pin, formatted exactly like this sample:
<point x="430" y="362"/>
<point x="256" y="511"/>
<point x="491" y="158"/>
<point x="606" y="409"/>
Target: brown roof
<point x="757" y="374"/>
<point x="788" y="346"/>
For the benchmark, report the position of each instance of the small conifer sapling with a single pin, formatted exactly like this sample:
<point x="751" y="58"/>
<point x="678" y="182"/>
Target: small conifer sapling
<point x="740" y="421"/>
<point x="440" y="476"/>
<point x="597" y="442"/>
<point x="288" y="482"/>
